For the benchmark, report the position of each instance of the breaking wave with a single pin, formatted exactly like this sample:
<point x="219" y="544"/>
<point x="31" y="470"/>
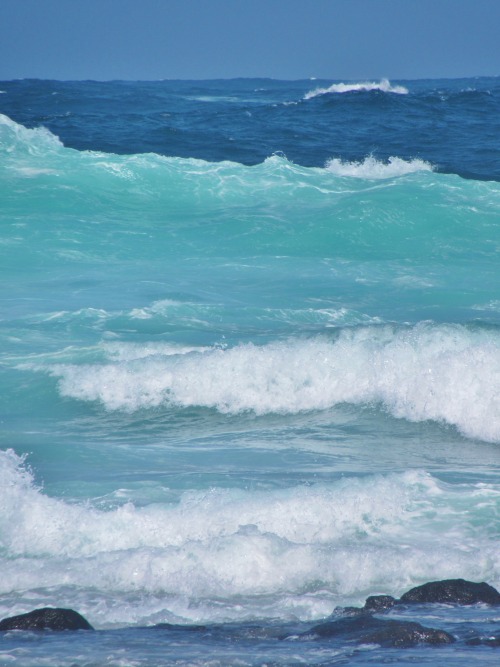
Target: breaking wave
<point x="446" y="373"/>
<point x="384" y="86"/>
<point x="371" y="168"/>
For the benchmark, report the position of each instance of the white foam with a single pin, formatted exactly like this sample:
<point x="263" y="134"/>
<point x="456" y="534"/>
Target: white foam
<point x="371" y="168"/>
<point x="384" y="85"/>
<point x="231" y="552"/>
<point x="14" y="136"/>
<point x="445" y="373"/>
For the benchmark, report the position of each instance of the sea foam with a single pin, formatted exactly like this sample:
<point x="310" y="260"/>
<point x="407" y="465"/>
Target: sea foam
<point x="305" y="546"/>
<point x="384" y="86"/>
<point x="16" y="137"/>
<point x="447" y="373"/>
<point x="371" y="168"/>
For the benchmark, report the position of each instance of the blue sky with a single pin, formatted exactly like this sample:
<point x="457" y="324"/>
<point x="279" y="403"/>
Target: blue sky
<point x="286" y="39"/>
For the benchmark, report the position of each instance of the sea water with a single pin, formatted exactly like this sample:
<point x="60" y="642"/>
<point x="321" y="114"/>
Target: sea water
<point x="249" y="363"/>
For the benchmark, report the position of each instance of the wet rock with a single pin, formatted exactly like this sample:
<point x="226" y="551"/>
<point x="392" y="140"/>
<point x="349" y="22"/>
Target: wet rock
<point x="452" y="591"/>
<point x="181" y="628"/>
<point x="404" y="636"/>
<point x="485" y="641"/>
<point x="46" y="619"/>
<point x="368" y="629"/>
<point x="375" y="604"/>
<point x="378" y="603"/>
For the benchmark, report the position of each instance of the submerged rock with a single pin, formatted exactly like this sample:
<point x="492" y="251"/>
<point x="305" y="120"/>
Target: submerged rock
<point x="368" y="629"/>
<point x="46" y="619"/>
<point x="452" y="591"/>
<point x="494" y="641"/>
<point x="181" y="628"/>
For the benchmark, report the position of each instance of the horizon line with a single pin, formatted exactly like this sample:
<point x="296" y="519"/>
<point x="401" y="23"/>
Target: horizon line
<point x="250" y="78"/>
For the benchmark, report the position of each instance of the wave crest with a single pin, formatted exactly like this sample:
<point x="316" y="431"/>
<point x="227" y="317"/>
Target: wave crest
<point x="384" y="86"/>
<point x="425" y="372"/>
<point x="15" y="137"/>
<point x="372" y="168"/>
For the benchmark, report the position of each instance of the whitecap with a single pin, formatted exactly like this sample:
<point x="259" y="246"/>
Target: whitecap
<point x="371" y="168"/>
<point x="384" y="85"/>
<point x="14" y="136"/>
<point x="445" y="373"/>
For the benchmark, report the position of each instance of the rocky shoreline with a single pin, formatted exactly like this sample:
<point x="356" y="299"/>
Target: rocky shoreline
<point x="358" y="625"/>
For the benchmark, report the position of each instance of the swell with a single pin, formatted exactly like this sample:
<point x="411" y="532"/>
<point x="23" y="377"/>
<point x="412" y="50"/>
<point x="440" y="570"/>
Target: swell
<point x="96" y="207"/>
<point x="247" y="121"/>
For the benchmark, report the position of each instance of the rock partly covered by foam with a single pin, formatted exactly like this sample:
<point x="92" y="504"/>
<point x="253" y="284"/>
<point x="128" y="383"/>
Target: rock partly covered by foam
<point x="447" y="591"/>
<point x="367" y="629"/>
<point x="46" y="619"/>
<point x="359" y="625"/>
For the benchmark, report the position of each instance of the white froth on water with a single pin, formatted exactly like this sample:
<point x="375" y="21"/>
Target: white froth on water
<point x="384" y="86"/>
<point x="446" y="373"/>
<point x="15" y="137"/>
<point x="333" y="542"/>
<point x="371" y="168"/>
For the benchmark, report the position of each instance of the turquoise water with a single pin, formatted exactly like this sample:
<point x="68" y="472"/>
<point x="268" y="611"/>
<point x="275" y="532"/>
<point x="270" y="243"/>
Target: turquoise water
<point x="245" y="392"/>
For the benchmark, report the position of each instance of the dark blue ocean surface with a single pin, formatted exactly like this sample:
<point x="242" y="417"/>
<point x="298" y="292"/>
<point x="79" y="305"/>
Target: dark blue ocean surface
<point x="249" y="365"/>
<point x="454" y="124"/>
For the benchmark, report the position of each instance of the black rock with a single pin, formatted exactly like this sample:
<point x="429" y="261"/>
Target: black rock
<point x="182" y="628"/>
<point x="452" y="591"/>
<point x="348" y="611"/>
<point x="405" y="634"/>
<point x="46" y="619"/>
<point x="377" y="603"/>
<point x="368" y="629"/>
<point x="485" y="641"/>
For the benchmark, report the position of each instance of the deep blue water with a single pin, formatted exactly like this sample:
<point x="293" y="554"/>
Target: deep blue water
<point x="452" y="124"/>
<point x="250" y="363"/>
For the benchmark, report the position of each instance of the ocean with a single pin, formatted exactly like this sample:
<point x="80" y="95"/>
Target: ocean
<point x="249" y="365"/>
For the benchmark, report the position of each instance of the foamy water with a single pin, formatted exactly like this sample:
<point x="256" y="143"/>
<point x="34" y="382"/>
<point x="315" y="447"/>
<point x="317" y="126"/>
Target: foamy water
<point x="348" y="538"/>
<point x="372" y="168"/>
<point x="420" y="373"/>
<point x="384" y="86"/>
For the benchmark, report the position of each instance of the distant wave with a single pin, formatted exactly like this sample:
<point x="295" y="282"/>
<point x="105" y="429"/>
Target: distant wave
<point x="384" y="85"/>
<point x="370" y="167"/>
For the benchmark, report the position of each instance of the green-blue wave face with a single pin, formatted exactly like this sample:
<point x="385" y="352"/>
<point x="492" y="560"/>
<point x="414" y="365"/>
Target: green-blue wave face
<point x="401" y="244"/>
<point x="140" y="282"/>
